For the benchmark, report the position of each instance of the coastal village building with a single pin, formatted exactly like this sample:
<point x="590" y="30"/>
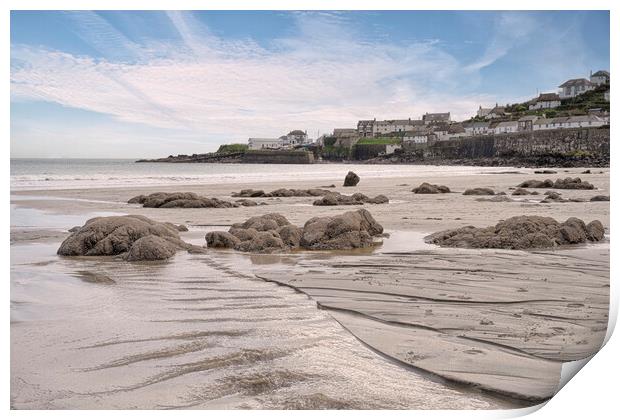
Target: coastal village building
<point x="581" y="121"/>
<point x="505" y="127"/>
<point x="483" y="112"/>
<point x="545" y="101"/>
<point x="417" y="136"/>
<point x="601" y="77"/>
<point x="497" y="112"/>
<point x="255" y="143"/>
<point x="476" y="128"/>
<point x="295" y="138"/>
<point x="373" y="128"/>
<point x="574" y="87"/>
<point x="526" y="123"/>
<point x="441" y="117"/>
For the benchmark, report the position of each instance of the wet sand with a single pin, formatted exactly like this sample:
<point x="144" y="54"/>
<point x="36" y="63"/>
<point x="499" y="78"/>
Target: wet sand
<point x="502" y="320"/>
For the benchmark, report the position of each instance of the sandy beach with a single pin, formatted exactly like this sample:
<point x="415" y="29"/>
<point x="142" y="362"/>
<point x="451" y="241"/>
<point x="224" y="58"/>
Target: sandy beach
<point x="470" y="328"/>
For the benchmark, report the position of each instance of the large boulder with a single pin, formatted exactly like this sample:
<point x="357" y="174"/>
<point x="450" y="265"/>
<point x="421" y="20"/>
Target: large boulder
<point x="479" y="191"/>
<point x="270" y="221"/>
<point x="600" y="198"/>
<point x="290" y="235"/>
<point x="351" y="179"/>
<point x="265" y="242"/>
<point x="533" y="183"/>
<point x="353" y="229"/>
<point x="117" y="235"/>
<point x="560" y="184"/>
<point x="523" y="191"/>
<point x="521" y="232"/>
<point x="426" y="188"/>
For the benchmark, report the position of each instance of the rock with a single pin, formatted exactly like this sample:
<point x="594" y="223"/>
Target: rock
<point x="263" y="242"/>
<point x="522" y="191"/>
<point x="270" y="221"/>
<point x="329" y="186"/>
<point x="479" y="191"/>
<point x="496" y="199"/>
<point x="182" y="228"/>
<point x="151" y="247"/>
<point x="572" y="184"/>
<point x="545" y="171"/>
<point x="426" y="188"/>
<point x="353" y="229"/>
<point x="595" y="231"/>
<point x="282" y="192"/>
<point x="180" y="200"/>
<point x="243" y="234"/>
<point x="532" y="183"/>
<point x="563" y="184"/>
<point x="520" y="232"/>
<point x="219" y="239"/>
<point x="76" y="228"/>
<point x="246" y="203"/>
<point x="290" y="235"/>
<point x="337" y="199"/>
<point x="600" y="198"/>
<point x="587" y="171"/>
<point x="351" y="180"/>
<point x="117" y="235"/>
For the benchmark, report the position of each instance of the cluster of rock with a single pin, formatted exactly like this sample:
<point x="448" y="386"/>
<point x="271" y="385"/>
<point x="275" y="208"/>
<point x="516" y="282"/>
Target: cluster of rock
<point x="185" y="200"/>
<point x="351" y="179"/>
<point x="337" y="199"/>
<point x="479" y="191"/>
<point x="282" y="192"/>
<point x="274" y="233"/>
<point x="426" y="188"/>
<point x="560" y="184"/>
<point x="132" y="237"/>
<point x="523" y="191"/>
<point x="556" y="197"/>
<point x="521" y="232"/>
<point x="546" y="171"/>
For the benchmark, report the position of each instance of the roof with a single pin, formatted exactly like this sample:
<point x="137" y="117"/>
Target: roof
<point x="401" y="122"/>
<point x="296" y="133"/>
<point x="498" y="110"/>
<point x="507" y="124"/>
<point x="601" y="73"/>
<point x="480" y="124"/>
<point x="529" y="118"/>
<point x="456" y="128"/>
<point x="548" y="97"/>
<point x="576" y="82"/>
<point x="583" y="118"/>
<point x="543" y="121"/>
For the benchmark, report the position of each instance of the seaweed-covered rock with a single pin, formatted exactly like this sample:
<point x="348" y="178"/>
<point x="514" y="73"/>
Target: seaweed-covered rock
<point x="183" y="200"/>
<point x="219" y="239"/>
<point x="560" y="184"/>
<point x="600" y="198"/>
<point x="117" y="235"/>
<point x="426" y="188"/>
<point x="337" y="199"/>
<point x="351" y="179"/>
<point x="479" y="191"/>
<point x="353" y="229"/>
<point x="150" y="248"/>
<point x="520" y="232"/>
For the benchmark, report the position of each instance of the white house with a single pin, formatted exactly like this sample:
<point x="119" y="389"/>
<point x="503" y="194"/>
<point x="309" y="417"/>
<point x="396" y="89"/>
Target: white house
<point x="545" y="101"/>
<point x="574" y="87"/>
<point x="439" y="117"/>
<point x="394" y="126"/>
<point x="581" y="121"/>
<point x="506" y="127"/>
<point x="601" y="77"/>
<point x="256" y="143"/>
<point x="295" y="138"/>
<point x="477" y="128"/>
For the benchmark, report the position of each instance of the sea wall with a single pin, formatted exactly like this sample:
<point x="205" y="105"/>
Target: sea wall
<point x="593" y="142"/>
<point x="278" y="156"/>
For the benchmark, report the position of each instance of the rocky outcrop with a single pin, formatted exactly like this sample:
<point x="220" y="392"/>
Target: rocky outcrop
<point x="274" y="233"/>
<point x="351" y="179"/>
<point x="546" y="171"/>
<point x="426" y="188"/>
<point x="479" y="191"/>
<point x="560" y="184"/>
<point x="555" y="197"/>
<point x="521" y="232"/>
<point x="337" y="199"/>
<point x="183" y="200"/>
<point x="495" y="199"/>
<point x="282" y="192"/>
<point x="131" y="237"/>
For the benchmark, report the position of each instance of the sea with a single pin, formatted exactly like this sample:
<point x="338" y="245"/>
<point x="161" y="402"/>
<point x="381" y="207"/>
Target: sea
<point x="37" y="174"/>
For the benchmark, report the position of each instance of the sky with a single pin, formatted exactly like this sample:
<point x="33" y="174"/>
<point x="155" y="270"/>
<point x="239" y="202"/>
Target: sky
<point x="129" y="84"/>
